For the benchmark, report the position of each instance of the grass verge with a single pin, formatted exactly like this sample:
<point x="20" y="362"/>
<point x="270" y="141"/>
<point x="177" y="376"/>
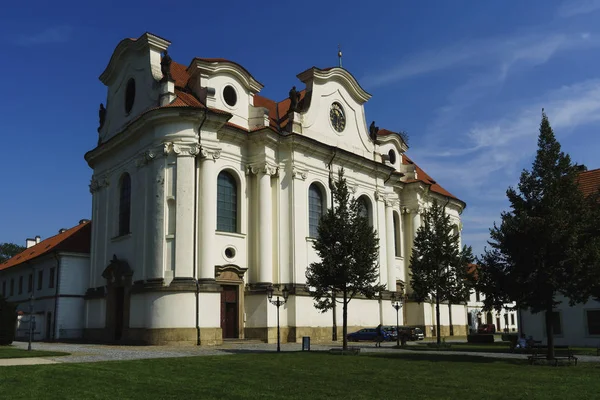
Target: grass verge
<point x="297" y="375"/>
<point x="13" y="352"/>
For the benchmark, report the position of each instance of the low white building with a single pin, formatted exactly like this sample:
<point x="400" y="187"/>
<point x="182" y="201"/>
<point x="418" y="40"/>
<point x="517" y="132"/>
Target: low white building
<point x="204" y="193"/>
<point x="573" y="326"/>
<point x="505" y="321"/>
<point x="50" y="276"/>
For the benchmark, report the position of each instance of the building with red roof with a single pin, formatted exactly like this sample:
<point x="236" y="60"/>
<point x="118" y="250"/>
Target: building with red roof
<point x="205" y="193"/>
<point x="49" y="280"/>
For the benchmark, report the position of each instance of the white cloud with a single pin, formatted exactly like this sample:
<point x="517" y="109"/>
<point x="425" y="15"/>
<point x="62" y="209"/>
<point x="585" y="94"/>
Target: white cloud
<point x="570" y="8"/>
<point x="496" y="55"/>
<point x="58" y="34"/>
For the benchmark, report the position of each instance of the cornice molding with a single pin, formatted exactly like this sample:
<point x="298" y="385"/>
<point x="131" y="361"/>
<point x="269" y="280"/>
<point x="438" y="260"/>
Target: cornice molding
<point x="339" y="75"/>
<point x="224" y="67"/>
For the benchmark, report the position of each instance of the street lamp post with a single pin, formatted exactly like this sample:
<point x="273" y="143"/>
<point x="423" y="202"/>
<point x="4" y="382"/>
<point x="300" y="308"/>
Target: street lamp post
<point x="278" y="303"/>
<point x="397" y="304"/>
<point x="30" y="321"/>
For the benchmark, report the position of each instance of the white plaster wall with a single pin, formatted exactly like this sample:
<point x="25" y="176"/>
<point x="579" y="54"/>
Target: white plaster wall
<point x="171" y="310"/>
<point x="70" y="317"/>
<point x="210" y="310"/>
<point x="240" y="110"/>
<point x="74" y="274"/>
<point x="317" y="124"/>
<point x="95" y="313"/>
<point x="573" y="323"/>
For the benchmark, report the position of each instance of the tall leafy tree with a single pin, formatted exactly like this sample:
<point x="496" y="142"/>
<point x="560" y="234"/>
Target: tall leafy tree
<point x="545" y="246"/>
<point x="9" y="250"/>
<point x="439" y="266"/>
<point x="348" y="247"/>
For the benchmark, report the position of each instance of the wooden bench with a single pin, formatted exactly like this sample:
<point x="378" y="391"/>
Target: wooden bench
<point x="561" y="353"/>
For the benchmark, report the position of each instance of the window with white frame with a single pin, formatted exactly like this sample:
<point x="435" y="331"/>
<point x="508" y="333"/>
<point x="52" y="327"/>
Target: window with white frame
<point x="227" y="204"/>
<point x="315" y="209"/>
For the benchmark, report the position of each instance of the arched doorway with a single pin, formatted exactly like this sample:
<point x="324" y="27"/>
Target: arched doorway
<point x="231" y="279"/>
<point x="118" y="282"/>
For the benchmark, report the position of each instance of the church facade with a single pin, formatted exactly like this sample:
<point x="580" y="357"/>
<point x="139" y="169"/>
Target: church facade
<point x="205" y="193"/>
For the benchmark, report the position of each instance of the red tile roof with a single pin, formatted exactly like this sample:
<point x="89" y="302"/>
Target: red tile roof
<point x="76" y="240"/>
<point x="423" y="177"/>
<point x="589" y="181"/>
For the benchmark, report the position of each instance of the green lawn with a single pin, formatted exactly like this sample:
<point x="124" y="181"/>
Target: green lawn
<point x="303" y="376"/>
<point x="13" y="352"/>
<point x="496" y="347"/>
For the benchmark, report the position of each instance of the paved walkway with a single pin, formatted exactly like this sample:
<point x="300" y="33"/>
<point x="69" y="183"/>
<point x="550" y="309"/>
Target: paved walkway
<point x="80" y="353"/>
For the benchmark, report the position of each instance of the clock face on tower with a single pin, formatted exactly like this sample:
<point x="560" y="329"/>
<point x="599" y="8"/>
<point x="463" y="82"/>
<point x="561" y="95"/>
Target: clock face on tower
<point x="337" y="117"/>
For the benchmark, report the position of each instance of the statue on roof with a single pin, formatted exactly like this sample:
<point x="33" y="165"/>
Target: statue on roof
<point x="101" y="116"/>
<point x="165" y="67"/>
<point x="294" y="100"/>
<point x="373" y="131"/>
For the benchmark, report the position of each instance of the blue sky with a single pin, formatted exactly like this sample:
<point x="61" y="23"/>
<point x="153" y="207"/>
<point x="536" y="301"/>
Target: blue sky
<point x="466" y="79"/>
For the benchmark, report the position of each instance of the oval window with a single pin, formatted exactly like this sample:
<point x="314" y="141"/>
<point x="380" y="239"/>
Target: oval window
<point x="230" y="252"/>
<point x="129" y="95"/>
<point x="392" y="155"/>
<point x="230" y="96"/>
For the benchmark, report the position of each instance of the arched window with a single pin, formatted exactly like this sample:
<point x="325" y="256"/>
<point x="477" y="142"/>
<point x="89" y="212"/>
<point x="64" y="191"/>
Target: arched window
<point x="364" y="208"/>
<point x="397" y="243"/>
<point x="226" y="202"/>
<point x="124" y="204"/>
<point x="315" y="209"/>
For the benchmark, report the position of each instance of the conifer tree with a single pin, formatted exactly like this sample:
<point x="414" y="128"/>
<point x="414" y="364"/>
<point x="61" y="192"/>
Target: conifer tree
<point x="439" y="266"/>
<point x="348" y="247"/>
<point x="545" y="247"/>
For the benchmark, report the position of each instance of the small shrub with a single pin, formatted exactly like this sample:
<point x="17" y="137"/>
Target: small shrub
<point x="8" y="321"/>
<point x="481" y="338"/>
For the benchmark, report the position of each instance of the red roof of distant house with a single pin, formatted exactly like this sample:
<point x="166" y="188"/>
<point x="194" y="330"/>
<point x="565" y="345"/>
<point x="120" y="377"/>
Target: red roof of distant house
<point x="589" y="181"/>
<point x="426" y="179"/>
<point x="75" y="240"/>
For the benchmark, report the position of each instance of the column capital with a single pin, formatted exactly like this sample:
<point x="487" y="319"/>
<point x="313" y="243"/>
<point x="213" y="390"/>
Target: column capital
<point x="96" y="184"/>
<point x="262" y="167"/>
<point x="299" y="173"/>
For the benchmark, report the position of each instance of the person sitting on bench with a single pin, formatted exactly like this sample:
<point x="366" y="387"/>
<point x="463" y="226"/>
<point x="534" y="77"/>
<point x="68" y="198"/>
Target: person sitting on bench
<point x="521" y="342"/>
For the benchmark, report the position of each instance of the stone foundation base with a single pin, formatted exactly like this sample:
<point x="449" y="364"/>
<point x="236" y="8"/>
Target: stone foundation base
<point x="164" y="336"/>
<point x="294" y="334"/>
<point x="459" y="330"/>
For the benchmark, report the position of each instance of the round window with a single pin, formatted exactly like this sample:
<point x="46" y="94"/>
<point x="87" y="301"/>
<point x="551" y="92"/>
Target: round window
<point x="392" y="155"/>
<point x="129" y="95"/>
<point x="230" y="96"/>
<point x="230" y="252"/>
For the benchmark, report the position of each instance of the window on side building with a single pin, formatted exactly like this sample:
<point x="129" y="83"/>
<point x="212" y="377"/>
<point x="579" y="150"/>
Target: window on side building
<point x="51" y="279"/>
<point x="593" y="322"/>
<point x="40" y="279"/>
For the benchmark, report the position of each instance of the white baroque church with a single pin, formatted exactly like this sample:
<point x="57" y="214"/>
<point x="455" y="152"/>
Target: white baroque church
<point x="205" y="193"/>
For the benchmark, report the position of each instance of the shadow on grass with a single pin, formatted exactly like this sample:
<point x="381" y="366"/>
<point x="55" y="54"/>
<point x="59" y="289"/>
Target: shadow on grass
<point x="447" y="358"/>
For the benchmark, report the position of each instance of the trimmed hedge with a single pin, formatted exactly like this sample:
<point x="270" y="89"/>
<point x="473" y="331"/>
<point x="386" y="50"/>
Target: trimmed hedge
<point x="8" y="322"/>
<point x="481" y="338"/>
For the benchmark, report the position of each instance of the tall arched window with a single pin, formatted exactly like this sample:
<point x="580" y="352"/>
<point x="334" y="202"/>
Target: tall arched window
<point x="226" y="202"/>
<point x="364" y="208"/>
<point x="124" y="204"/>
<point x="397" y="243"/>
<point x="315" y="209"/>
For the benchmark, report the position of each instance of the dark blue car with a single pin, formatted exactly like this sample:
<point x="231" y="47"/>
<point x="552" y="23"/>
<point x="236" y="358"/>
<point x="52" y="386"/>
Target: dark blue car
<point x="369" y="334"/>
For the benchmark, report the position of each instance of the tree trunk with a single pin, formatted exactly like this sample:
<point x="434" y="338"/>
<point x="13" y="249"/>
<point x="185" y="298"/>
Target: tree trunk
<point x="345" y="320"/>
<point x="550" y="331"/>
<point x="437" y="317"/>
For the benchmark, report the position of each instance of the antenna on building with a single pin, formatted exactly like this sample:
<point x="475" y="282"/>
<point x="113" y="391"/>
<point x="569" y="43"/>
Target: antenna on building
<point x="340" y="56"/>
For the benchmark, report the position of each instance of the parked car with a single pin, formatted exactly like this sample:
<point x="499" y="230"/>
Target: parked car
<point x="486" y="328"/>
<point x="369" y="334"/>
<point x="411" y="332"/>
<point x="391" y="330"/>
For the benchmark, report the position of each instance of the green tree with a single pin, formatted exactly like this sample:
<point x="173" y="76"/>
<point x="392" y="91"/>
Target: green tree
<point x="545" y="246"/>
<point x="9" y="250"/>
<point x="439" y="266"/>
<point x="348" y="248"/>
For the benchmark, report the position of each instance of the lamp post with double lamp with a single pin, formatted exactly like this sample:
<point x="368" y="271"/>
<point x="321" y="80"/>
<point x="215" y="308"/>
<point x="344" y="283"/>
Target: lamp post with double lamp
<point x="30" y="322"/>
<point x="278" y="303"/>
<point x="397" y="304"/>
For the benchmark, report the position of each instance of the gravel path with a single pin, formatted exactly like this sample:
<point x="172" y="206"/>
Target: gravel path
<point x="94" y="353"/>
